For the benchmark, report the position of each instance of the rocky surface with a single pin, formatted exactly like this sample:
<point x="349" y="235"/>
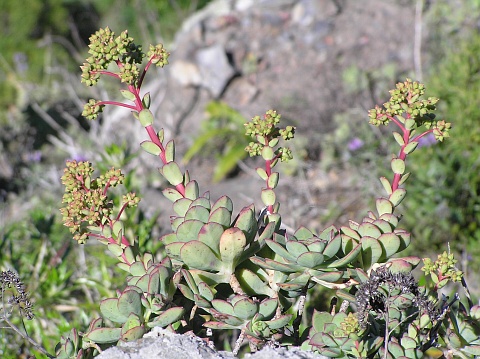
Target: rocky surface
<point x="162" y="344"/>
<point x="287" y="54"/>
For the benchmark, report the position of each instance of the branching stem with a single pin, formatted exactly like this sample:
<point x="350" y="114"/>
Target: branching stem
<point x="22" y="334"/>
<point x="239" y="342"/>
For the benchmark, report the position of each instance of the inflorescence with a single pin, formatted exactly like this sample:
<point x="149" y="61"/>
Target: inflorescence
<point x="20" y="298"/>
<point x="266" y="133"/>
<point x="371" y="298"/>
<point x="407" y="108"/>
<point x="86" y="200"/>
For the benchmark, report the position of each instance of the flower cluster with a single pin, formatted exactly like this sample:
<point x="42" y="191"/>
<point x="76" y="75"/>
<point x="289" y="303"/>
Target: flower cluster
<point x="350" y="324"/>
<point x="440" y="131"/>
<point x="91" y="109"/>
<point x="87" y="203"/>
<point x="442" y="270"/>
<point x="266" y="133"/>
<point x="10" y="280"/>
<point x="405" y="98"/>
<point x="265" y="126"/>
<point x="158" y="55"/>
<point x="106" y="48"/>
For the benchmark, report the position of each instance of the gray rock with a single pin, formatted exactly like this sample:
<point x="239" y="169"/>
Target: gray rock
<point x="282" y="353"/>
<point x="186" y="73"/>
<point x="162" y="344"/>
<point x="242" y="5"/>
<point x="214" y="69"/>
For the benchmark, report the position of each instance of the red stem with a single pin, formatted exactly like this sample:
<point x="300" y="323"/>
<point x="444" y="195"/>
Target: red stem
<point x="268" y="169"/>
<point x="181" y="188"/>
<point x="121" y="211"/>
<point x="138" y="101"/>
<point x="421" y="135"/>
<point x="144" y="72"/>
<point x="105" y="72"/>
<point x="82" y="182"/>
<point x="125" y="241"/>
<point x="116" y="103"/>
<point x="154" y="138"/>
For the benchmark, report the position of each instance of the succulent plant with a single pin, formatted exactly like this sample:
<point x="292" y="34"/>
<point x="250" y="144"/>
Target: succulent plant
<point x="146" y="302"/>
<point x="394" y="319"/>
<point x="462" y="335"/>
<point x="70" y="346"/>
<point x="338" y="335"/>
<point x="258" y="319"/>
<point x="246" y="272"/>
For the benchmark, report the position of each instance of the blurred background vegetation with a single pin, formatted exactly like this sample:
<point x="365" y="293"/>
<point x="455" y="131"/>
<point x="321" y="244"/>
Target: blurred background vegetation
<point x="40" y="53"/>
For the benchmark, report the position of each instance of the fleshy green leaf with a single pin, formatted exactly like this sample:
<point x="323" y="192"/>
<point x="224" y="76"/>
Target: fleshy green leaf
<point x="273" y="180"/>
<point x="280" y="250"/>
<point x="225" y="202"/>
<point x="133" y="333"/>
<point x="172" y="194"/>
<point x="296" y="248"/>
<point x="198" y="255"/>
<point x="109" y="309"/>
<point x="398" y="166"/>
<point x="232" y="244"/>
<point x="397" y="197"/>
<point x="167" y="317"/>
<point x="170" y="151"/>
<point x="371" y="251"/>
<point x="268" y="197"/>
<point x="390" y="242"/>
<point x="410" y="147"/>
<point x="223" y="306"/>
<point x="252" y="284"/>
<point x="245" y="308"/>
<point x="310" y="259"/>
<point x="192" y="190"/>
<point x="197" y="212"/>
<point x="189" y="230"/>
<point x="104" y="335"/>
<point x="130" y="302"/>
<point x="384" y="206"/>
<point x="262" y="173"/>
<point x="172" y="173"/>
<point x="279" y="322"/>
<point x="221" y="215"/>
<point x="128" y="95"/>
<point x="146" y="117"/>
<point x="369" y="230"/>
<point x="399" y="138"/>
<point x="210" y="234"/>
<point x="247" y="222"/>
<point x="332" y="247"/>
<point x="151" y="148"/>
<point x="350" y="257"/>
